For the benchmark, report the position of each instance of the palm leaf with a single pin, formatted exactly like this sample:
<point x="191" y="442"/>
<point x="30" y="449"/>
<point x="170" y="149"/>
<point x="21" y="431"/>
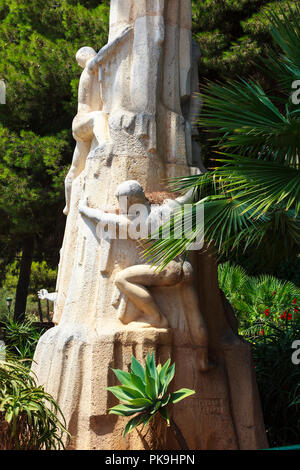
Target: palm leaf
<point x="246" y="119"/>
<point x="262" y="184"/>
<point x="285" y="32"/>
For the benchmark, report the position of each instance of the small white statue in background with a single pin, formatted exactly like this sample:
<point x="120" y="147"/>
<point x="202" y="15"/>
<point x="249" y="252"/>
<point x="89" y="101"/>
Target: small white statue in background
<point x="43" y="294"/>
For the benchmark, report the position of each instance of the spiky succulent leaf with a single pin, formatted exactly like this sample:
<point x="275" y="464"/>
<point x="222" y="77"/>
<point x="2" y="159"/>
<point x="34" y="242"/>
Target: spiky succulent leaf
<point x="169" y="377"/>
<point x="156" y="407"/>
<point x="151" y="387"/>
<point x="150" y="366"/>
<point x="138" y="384"/>
<point x="133" y="423"/>
<point x="137" y="369"/>
<point x="126" y="410"/>
<point x="166" y="400"/>
<point x="141" y="402"/>
<point x="123" y="395"/>
<point x="163" y="373"/>
<point x="181" y="395"/>
<point x="133" y="391"/>
<point x="123" y="377"/>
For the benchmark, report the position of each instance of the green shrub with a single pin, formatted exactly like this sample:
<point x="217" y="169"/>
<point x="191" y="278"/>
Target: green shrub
<point x="267" y="310"/>
<point x="42" y="276"/>
<point x="278" y="380"/>
<point x="21" y="338"/>
<point x="255" y="298"/>
<point x="30" y="419"/>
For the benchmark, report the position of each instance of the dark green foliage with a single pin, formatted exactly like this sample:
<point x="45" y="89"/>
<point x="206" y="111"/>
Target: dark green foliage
<point x="290" y="271"/>
<point x="21" y="338"/>
<point x="145" y="392"/>
<point x="30" y="419"/>
<point x="254" y="299"/>
<point x="38" y="42"/>
<point x="235" y="40"/>
<point x="233" y="35"/>
<point x="269" y="317"/>
<point x="278" y="381"/>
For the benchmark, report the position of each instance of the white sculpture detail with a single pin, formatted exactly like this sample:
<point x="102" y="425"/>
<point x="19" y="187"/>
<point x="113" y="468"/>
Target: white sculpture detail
<point x="43" y="294"/>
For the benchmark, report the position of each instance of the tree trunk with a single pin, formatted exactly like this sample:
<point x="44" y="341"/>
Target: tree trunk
<point x="24" y="278"/>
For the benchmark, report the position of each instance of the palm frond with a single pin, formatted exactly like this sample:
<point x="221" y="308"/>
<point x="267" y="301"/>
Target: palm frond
<point x="261" y="183"/>
<point x="223" y="221"/>
<point x="246" y="119"/>
<point x="285" y="31"/>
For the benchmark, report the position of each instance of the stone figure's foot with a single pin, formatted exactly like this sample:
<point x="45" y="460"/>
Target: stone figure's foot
<point x="105" y="149"/>
<point x="160" y="322"/>
<point x="205" y="364"/>
<point x="142" y="125"/>
<point x="66" y="210"/>
<point x="122" y="119"/>
<point x="126" y="319"/>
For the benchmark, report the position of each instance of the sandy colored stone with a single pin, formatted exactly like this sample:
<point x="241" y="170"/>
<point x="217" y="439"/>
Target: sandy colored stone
<point x="144" y="80"/>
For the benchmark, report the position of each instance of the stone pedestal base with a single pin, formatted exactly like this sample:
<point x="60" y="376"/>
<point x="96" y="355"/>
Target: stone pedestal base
<point x="75" y="366"/>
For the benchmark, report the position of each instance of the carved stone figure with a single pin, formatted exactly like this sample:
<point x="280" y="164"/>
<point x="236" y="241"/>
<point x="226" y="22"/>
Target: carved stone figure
<point x="90" y="122"/>
<point x="87" y="121"/>
<point x="136" y="281"/>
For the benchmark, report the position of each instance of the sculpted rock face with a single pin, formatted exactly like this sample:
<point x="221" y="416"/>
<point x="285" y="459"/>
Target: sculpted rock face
<point x="132" y="132"/>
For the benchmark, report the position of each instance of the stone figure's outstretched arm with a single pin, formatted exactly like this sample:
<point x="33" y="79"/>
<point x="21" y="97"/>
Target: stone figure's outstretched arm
<point x="95" y="215"/>
<point x="175" y="204"/>
<point x="187" y="198"/>
<point x="109" y="48"/>
<point x="99" y="216"/>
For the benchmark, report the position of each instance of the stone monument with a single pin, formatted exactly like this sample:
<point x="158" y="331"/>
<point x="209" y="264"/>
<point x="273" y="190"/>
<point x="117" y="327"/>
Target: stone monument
<point x="133" y="130"/>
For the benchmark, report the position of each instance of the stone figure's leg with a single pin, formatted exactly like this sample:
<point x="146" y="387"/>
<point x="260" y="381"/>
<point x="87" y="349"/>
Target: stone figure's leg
<point x="83" y="126"/>
<point x="196" y="324"/>
<point x="89" y="125"/>
<point x="100" y="126"/>
<point x="133" y="282"/>
<point x="78" y="163"/>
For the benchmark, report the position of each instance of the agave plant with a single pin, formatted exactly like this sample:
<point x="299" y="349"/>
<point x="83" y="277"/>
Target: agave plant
<point x="144" y="393"/>
<point x="251" y="196"/>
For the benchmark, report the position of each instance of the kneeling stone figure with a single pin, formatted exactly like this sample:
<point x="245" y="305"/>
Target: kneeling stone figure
<point x="135" y="281"/>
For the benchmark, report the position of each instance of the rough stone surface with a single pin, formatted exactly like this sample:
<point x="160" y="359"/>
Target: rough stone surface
<point x="144" y="81"/>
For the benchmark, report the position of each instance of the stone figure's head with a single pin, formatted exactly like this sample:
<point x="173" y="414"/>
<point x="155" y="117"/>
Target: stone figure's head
<point x="84" y="55"/>
<point x="129" y="193"/>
